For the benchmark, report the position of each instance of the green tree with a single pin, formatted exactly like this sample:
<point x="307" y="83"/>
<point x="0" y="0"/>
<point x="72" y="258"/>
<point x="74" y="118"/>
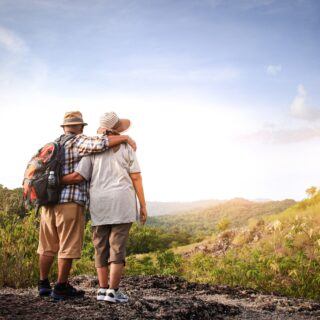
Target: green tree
<point x="11" y="201"/>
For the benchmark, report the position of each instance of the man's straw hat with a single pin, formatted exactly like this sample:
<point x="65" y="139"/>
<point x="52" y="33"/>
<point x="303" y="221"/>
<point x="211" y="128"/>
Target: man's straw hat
<point x="73" y="118"/>
<point x="111" y="121"/>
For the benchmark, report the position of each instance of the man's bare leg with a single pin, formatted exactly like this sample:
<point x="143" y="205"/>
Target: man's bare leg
<point x="63" y="289"/>
<point x="45" y="263"/>
<point x="64" y="267"/>
<point x="116" y="270"/>
<point x="103" y="277"/>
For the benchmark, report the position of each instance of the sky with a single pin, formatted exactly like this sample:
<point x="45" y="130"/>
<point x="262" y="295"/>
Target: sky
<point x="223" y="95"/>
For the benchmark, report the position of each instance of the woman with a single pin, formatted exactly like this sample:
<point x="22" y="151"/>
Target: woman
<point x="115" y="181"/>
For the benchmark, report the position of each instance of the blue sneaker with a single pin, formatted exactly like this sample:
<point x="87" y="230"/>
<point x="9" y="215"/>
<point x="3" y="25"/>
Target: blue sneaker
<point x="65" y="291"/>
<point x="44" y="288"/>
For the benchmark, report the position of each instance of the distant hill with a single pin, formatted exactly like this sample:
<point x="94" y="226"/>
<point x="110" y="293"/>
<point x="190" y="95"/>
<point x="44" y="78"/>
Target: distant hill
<point x="274" y="252"/>
<point x="277" y="253"/>
<point x="237" y="211"/>
<point x="156" y="208"/>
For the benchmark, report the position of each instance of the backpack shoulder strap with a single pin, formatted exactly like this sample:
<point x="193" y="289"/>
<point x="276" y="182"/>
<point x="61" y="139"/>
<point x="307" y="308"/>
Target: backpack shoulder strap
<point x="63" y="139"/>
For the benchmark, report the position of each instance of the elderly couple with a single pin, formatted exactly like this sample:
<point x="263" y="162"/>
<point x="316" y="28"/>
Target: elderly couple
<point x="106" y="168"/>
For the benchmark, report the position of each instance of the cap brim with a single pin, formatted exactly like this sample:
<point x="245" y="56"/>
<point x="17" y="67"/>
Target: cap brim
<point x="74" y="124"/>
<point x="122" y="125"/>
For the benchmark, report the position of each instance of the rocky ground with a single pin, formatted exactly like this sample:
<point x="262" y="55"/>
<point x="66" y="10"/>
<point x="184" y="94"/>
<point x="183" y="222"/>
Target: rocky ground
<point x="155" y="297"/>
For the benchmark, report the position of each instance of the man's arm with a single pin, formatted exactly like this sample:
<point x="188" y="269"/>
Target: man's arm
<point x="137" y="183"/>
<point x="82" y="172"/>
<point x="92" y="145"/>
<point x="118" y="139"/>
<point x="72" y="178"/>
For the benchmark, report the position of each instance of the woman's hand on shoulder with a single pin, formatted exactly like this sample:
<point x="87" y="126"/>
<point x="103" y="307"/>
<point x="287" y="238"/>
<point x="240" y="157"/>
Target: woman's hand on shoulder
<point x="143" y="215"/>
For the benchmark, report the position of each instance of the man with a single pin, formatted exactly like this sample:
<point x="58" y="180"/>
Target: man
<point x="115" y="182"/>
<point x="62" y="225"/>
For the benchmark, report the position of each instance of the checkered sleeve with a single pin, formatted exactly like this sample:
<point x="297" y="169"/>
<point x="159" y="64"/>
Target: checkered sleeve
<point x="91" y="145"/>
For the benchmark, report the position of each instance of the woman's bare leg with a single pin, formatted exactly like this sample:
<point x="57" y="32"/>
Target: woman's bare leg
<point x="103" y="277"/>
<point x="116" y="270"/>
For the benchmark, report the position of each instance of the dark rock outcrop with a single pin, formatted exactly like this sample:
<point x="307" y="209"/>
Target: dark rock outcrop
<point x="157" y="297"/>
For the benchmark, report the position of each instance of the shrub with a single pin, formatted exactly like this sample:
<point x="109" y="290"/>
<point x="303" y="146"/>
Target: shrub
<point x="19" y="259"/>
<point x="164" y="263"/>
<point x="223" y="224"/>
<point x="18" y="245"/>
<point x="140" y="266"/>
<point x="149" y="239"/>
<point x="285" y="259"/>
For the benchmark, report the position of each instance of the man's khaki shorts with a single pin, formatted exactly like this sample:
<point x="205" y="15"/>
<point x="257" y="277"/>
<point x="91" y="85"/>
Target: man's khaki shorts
<point x="61" y="230"/>
<point x="110" y="243"/>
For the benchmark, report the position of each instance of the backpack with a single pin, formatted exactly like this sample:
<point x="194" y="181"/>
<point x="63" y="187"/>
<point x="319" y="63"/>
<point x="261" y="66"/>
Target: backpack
<point x="36" y="189"/>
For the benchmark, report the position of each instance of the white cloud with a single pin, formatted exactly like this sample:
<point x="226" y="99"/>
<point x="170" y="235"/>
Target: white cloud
<point x="292" y="131"/>
<point x="12" y="42"/>
<point x="280" y="136"/>
<point x="299" y="108"/>
<point x="273" y="69"/>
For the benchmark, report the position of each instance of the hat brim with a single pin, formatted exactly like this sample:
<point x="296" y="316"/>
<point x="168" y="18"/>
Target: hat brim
<point x="73" y="124"/>
<point x="122" y="125"/>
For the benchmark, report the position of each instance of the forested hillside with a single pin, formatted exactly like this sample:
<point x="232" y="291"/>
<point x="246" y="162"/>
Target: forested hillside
<point x="276" y="253"/>
<point x="11" y="201"/>
<point x="234" y="212"/>
<point x="157" y="208"/>
<point x="251" y="244"/>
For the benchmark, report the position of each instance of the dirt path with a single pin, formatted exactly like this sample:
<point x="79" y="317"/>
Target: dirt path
<point x="153" y="297"/>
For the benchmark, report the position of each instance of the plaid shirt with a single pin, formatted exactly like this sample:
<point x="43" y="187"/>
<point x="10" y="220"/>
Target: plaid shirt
<point x="75" y="149"/>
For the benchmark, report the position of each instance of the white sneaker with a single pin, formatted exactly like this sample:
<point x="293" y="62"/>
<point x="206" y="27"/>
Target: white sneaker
<point x="101" y="295"/>
<point x="115" y="296"/>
